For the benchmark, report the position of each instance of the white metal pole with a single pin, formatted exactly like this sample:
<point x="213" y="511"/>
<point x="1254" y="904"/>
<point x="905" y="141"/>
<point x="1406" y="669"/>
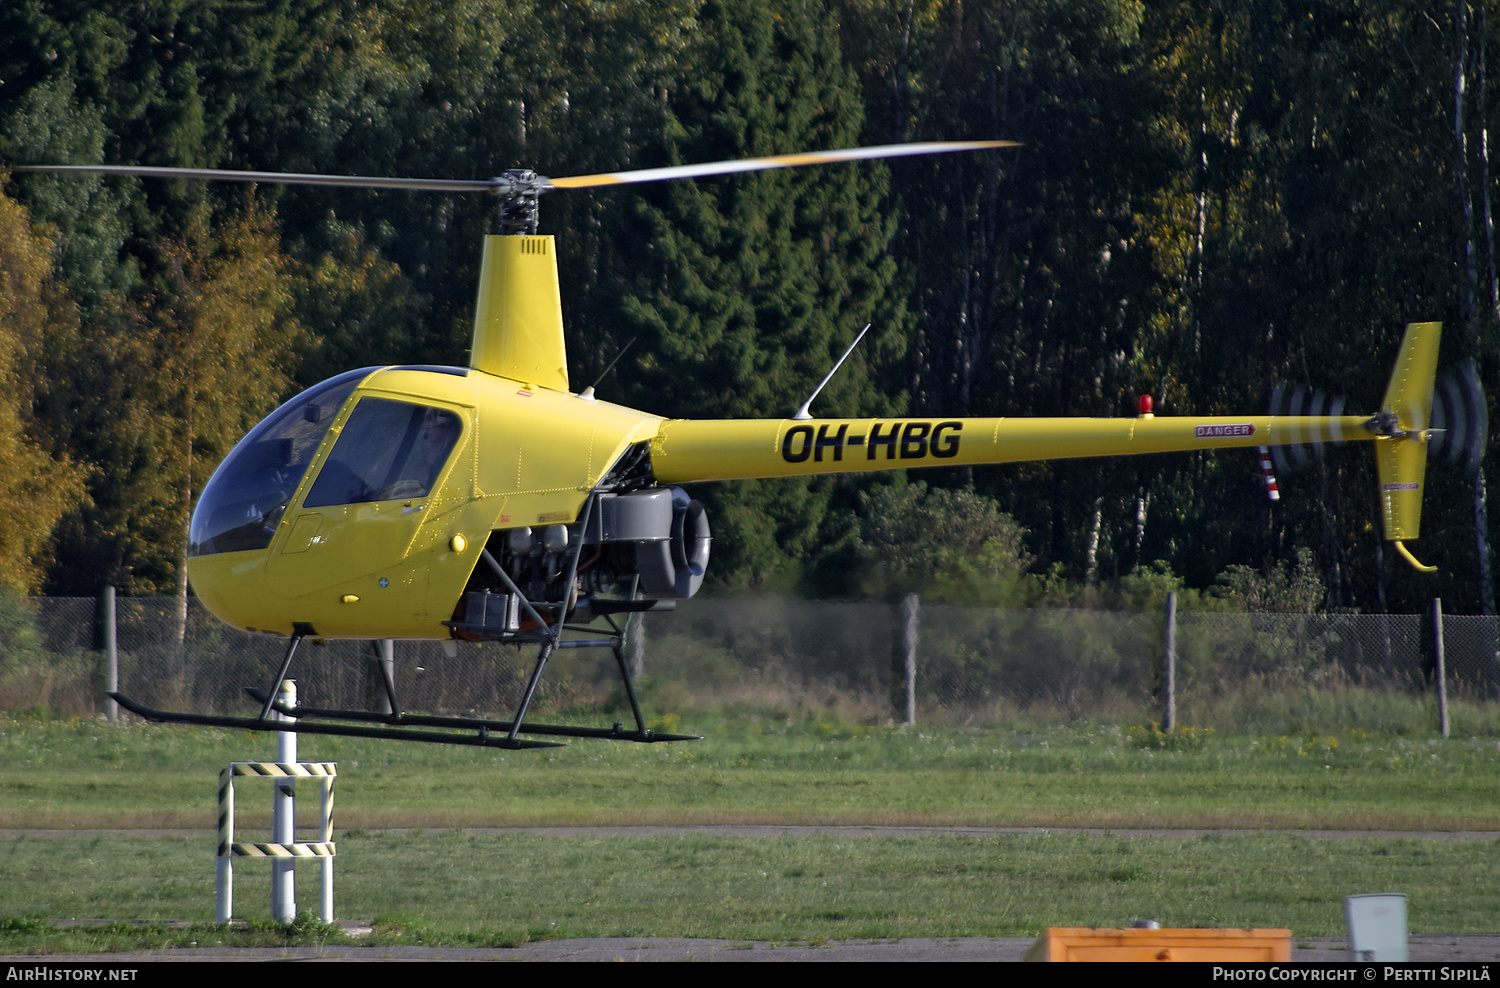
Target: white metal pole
<point x="284" y="816"/>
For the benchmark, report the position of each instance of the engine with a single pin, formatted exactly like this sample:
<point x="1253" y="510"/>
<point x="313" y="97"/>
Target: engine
<point x="653" y="540"/>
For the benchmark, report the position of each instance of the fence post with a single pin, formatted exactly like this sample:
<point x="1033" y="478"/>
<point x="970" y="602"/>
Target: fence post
<point x="909" y="608"/>
<point x="1169" y="667"/>
<point x="1437" y="659"/>
<point x="111" y="654"/>
<point x="1492" y="649"/>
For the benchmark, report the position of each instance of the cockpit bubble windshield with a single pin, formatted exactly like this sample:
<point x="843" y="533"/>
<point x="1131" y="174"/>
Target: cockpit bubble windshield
<point x="244" y="501"/>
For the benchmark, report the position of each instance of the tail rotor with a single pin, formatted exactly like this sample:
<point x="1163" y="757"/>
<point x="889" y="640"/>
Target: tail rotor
<point x="1460" y="419"/>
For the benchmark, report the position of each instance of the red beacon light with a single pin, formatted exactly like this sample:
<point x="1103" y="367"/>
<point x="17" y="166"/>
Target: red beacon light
<point x="1145" y="404"/>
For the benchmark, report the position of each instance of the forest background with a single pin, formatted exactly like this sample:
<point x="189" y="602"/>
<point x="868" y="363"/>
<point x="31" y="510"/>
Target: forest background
<point x="1210" y="197"/>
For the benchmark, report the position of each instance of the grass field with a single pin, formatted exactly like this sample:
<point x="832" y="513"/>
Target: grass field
<point x="443" y="885"/>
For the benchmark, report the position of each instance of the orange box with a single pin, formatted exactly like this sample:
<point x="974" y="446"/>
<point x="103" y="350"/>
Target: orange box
<point x="1064" y="943"/>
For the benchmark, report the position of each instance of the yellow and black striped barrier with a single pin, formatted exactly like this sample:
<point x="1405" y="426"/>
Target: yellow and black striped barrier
<point x="284" y="775"/>
<point x="299" y="849"/>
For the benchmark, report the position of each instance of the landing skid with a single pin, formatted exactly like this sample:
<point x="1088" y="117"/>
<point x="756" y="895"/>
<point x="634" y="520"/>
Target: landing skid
<point x="615" y="733"/>
<point x="478" y="732"/>
<point x="392" y="732"/>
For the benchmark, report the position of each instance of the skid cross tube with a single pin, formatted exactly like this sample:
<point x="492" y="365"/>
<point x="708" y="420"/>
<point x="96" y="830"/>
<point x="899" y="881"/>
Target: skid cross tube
<point x="616" y="646"/>
<point x="549" y="635"/>
<point x="531" y="685"/>
<point x="299" y="632"/>
<point x="387" y="680"/>
<point x="616" y="732"/>
<point x="555" y="634"/>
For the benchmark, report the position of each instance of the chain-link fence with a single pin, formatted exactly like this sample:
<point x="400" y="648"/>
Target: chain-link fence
<point x="978" y="666"/>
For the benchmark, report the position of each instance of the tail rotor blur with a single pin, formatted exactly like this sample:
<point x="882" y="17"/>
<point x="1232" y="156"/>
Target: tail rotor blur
<point x="1307" y="443"/>
<point x="1460" y="419"/>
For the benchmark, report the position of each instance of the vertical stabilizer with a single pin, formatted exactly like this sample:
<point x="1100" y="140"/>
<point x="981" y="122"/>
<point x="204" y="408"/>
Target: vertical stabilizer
<point x="1401" y="455"/>
<point x="518" y="331"/>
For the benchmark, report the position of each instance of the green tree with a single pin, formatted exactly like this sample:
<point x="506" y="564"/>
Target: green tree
<point x="36" y="319"/>
<point x="1289" y="588"/>
<point x="359" y="305"/>
<point x="163" y="393"/>
<point x="86" y="214"/>
<point x="952" y="546"/>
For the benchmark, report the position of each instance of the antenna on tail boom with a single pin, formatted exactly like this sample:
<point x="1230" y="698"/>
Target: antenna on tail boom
<point x="802" y="414"/>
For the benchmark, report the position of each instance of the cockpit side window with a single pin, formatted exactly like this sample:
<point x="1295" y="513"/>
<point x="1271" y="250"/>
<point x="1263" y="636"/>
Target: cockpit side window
<point x="389" y="450"/>
<point x="244" y="501"/>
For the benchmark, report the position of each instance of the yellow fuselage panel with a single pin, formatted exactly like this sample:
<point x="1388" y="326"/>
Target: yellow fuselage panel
<point x="328" y="545"/>
<point x="689" y="450"/>
<point x="234" y="583"/>
<point x="539" y="442"/>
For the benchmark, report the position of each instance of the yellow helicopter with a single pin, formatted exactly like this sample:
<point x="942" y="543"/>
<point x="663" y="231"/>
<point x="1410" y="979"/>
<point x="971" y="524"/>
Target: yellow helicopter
<point x="492" y="503"/>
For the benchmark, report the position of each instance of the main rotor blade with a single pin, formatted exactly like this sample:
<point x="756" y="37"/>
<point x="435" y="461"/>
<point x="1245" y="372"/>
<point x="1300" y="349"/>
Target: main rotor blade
<point x="282" y="178"/>
<point x="776" y="161"/>
<point x="523" y="182"/>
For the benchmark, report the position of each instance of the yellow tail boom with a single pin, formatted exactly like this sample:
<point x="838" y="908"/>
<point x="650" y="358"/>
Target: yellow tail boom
<point x="686" y="450"/>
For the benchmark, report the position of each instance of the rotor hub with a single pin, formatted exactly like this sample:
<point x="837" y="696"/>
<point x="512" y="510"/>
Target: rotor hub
<point x="520" y="191"/>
